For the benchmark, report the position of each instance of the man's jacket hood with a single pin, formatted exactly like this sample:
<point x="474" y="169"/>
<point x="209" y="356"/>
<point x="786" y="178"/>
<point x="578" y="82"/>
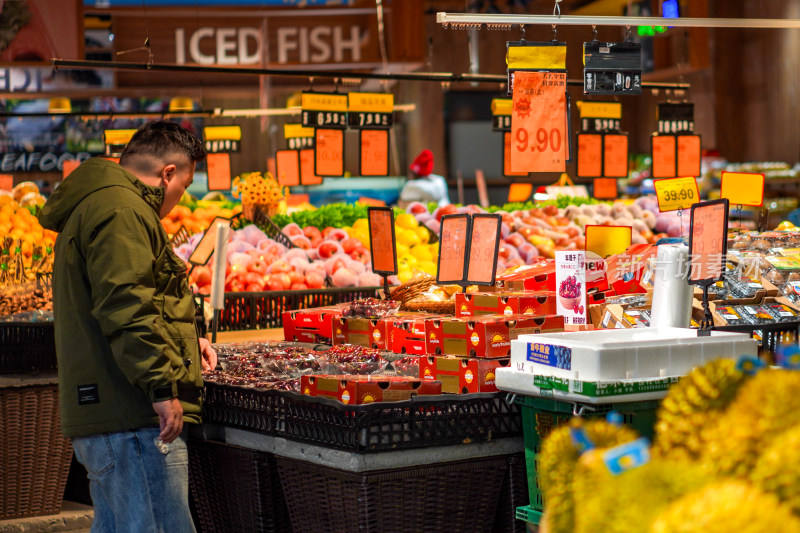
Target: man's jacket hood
<point x="89" y="177"/>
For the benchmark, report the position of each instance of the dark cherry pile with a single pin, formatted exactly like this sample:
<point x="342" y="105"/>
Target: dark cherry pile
<point x="407" y="366"/>
<point x="371" y="308"/>
<point x="352" y="360"/>
<point x="278" y="366"/>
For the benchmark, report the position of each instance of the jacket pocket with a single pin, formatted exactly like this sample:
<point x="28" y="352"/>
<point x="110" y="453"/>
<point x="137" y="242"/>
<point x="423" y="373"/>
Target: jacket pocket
<point x="172" y="286"/>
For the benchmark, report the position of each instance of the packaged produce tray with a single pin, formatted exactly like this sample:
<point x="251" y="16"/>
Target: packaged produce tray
<point x="454" y="496"/>
<point x="770" y="335"/>
<point x="264" y="310"/>
<point x="416" y="423"/>
<point x="27" y="347"/>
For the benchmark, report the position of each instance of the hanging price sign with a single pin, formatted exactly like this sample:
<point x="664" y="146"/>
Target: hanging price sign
<point x="590" y="155"/>
<point x="605" y="188"/>
<point x="307" y="175"/>
<point x="67" y="168"/>
<point x="676" y="193"/>
<point x="382" y="240"/>
<point x="329" y="152"/>
<point x="374" y="156"/>
<point x="452" y="249"/>
<point x="708" y="240"/>
<point x="298" y="137"/>
<point x="501" y="114"/>
<point x="507" y="155"/>
<point x="370" y="110"/>
<point x="615" y="155"/>
<point x="287" y="167"/>
<point x="219" y="171"/>
<point x="539" y="122"/>
<point x="743" y="188"/>
<point x="689" y="155"/>
<point x="663" y="149"/>
<point x="484" y="246"/>
<point x="220" y="139"/>
<point x="324" y="110"/>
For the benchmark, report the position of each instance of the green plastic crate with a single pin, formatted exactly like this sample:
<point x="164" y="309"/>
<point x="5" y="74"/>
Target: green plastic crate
<point x="541" y="415"/>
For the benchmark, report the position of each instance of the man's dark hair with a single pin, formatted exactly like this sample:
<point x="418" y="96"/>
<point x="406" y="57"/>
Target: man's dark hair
<point x="160" y="141"/>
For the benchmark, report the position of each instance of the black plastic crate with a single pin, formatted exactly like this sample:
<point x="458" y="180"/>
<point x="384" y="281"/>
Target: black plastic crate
<point x="454" y="496"/>
<point x="235" y="489"/>
<point x="27" y="347"/>
<point x="420" y="422"/>
<point x="514" y="493"/>
<point x="264" y="310"/>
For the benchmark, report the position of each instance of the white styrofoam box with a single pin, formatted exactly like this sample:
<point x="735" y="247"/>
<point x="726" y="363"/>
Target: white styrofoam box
<point x="509" y="379"/>
<point x="624" y="354"/>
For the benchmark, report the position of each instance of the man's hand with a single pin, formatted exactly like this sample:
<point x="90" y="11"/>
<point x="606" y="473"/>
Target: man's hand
<point x="170" y="418"/>
<point x="208" y="356"/>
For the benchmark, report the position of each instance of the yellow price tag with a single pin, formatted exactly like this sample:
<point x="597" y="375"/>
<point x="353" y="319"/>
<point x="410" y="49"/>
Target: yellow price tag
<point x="118" y="137"/>
<point x="600" y="109"/>
<point x="743" y="188"/>
<point x="297" y="131"/>
<point x="222" y="133"/>
<point x="501" y="106"/>
<point x="371" y="102"/>
<point x="608" y="240"/>
<point x="323" y="102"/>
<point x="676" y="193"/>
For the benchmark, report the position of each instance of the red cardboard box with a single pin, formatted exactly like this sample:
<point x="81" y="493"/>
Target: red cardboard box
<point x="356" y="390"/>
<point x="484" y="336"/>
<point x="628" y="272"/>
<point x="461" y="375"/>
<point x="310" y="325"/>
<point x="408" y="335"/>
<point x="506" y="303"/>
<point x="368" y="332"/>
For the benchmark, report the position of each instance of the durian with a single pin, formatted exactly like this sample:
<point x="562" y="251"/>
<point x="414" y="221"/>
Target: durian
<point x="766" y="405"/>
<point x="726" y="506"/>
<point x="556" y="466"/>
<point x="777" y="470"/>
<point x="629" y="502"/>
<point x="690" y="404"/>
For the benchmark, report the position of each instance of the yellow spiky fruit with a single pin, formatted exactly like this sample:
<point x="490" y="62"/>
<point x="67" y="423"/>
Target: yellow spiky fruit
<point x="689" y="406"/>
<point x="556" y="466"/>
<point x="629" y="502"/>
<point x="767" y="405"/>
<point x="777" y="470"/>
<point x="726" y="506"/>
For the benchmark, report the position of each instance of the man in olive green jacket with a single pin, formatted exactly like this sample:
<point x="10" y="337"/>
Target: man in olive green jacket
<point x="129" y="357"/>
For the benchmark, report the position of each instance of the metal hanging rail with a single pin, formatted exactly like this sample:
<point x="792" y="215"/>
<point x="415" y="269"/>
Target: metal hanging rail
<point x="442" y="77"/>
<point x="465" y="20"/>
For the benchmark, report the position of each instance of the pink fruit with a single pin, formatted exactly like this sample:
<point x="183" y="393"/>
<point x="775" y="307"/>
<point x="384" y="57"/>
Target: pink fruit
<point x="416" y="207"/>
<point x="344" y="278"/>
<point x="314" y="279"/>
<point x="328" y="249"/>
<point x="301" y="241"/>
<point x="291" y="230"/>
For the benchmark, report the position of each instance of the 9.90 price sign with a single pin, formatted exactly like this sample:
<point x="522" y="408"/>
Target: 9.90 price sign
<point x="543" y="141"/>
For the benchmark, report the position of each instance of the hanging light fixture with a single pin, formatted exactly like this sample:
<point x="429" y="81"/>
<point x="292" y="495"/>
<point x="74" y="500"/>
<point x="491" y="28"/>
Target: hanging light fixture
<point x="181" y="103"/>
<point x="60" y="105"/>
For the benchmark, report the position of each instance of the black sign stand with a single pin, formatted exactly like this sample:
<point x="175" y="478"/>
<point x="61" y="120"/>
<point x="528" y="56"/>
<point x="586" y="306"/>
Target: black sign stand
<point x="708" y="320"/>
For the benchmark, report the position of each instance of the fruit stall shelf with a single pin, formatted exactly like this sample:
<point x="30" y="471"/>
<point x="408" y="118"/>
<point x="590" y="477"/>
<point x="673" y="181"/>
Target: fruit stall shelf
<point x="541" y="415"/>
<point x="419" y="422"/>
<point x="770" y="333"/>
<point x="264" y="310"/>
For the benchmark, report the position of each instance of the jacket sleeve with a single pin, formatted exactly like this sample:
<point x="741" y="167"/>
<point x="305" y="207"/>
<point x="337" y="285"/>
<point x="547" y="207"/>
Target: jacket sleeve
<point x="120" y="267"/>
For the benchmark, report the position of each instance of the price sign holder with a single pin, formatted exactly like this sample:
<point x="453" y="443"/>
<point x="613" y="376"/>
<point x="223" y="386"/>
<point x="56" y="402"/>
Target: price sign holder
<point x="468" y="248"/>
<point x="298" y="137"/>
<point x="708" y="241"/>
<point x="484" y="245"/>
<point x="373" y="152"/>
<point x="540" y="123"/>
<point x="218" y="170"/>
<point x="370" y="110"/>
<point x="534" y="56"/>
<point x="382" y="247"/>
<point x="602" y="147"/>
<point x="205" y="248"/>
<point x="453" y="241"/>
<point x="328" y="152"/>
<point x="501" y="114"/>
<point x="612" y="68"/>
<point x="287" y="167"/>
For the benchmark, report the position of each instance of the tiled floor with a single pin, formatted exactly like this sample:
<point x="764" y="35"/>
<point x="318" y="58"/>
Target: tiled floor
<point x="74" y="518"/>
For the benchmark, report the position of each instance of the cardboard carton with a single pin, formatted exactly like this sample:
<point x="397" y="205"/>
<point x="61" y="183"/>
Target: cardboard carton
<point x="506" y="303"/>
<point x="311" y="325"/>
<point x="357" y="390"/>
<point x="461" y="375"/>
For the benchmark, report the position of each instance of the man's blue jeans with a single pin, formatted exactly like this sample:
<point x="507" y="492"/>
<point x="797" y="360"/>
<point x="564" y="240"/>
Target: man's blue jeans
<point x="136" y="487"/>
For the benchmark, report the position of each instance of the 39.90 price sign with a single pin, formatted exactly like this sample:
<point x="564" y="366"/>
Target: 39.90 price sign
<point x="539" y="122"/>
<point x="676" y="193"/>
